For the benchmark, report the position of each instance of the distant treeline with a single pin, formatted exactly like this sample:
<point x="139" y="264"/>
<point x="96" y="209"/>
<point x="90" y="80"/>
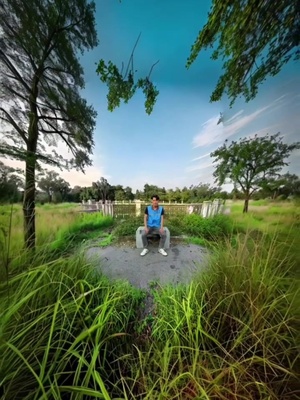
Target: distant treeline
<point x="52" y="188"/>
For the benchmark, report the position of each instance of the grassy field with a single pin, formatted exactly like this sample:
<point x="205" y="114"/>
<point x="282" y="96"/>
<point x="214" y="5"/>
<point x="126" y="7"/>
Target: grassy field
<point x="233" y="333"/>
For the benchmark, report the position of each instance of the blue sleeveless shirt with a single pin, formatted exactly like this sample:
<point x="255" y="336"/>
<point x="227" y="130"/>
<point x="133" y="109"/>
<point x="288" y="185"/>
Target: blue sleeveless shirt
<point x="154" y="217"/>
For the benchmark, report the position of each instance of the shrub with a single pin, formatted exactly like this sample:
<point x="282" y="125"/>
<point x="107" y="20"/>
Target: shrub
<point x="128" y="226"/>
<point x="208" y="228"/>
<point x="175" y="224"/>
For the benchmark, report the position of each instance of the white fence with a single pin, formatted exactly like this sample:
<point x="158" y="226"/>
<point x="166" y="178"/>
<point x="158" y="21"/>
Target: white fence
<point x="117" y="208"/>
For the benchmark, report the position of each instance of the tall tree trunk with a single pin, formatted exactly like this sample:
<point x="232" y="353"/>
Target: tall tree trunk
<point x="29" y="193"/>
<point x="29" y="201"/>
<point x="246" y="203"/>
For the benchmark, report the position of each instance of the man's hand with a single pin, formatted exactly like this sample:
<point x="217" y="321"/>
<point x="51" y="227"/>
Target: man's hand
<point x="162" y="230"/>
<point x="146" y="230"/>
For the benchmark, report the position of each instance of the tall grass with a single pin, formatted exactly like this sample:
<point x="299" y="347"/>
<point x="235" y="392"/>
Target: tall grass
<point x="233" y="333"/>
<point x="63" y="329"/>
<point x="50" y="219"/>
<point x="67" y="333"/>
<point x="58" y="227"/>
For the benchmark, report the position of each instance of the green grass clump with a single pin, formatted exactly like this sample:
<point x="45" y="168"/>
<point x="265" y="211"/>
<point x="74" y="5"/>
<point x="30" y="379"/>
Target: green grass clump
<point x="87" y="227"/>
<point x="212" y="228"/>
<point x="63" y="328"/>
<point x="128" y="227"/>
<point x="231" y="334"/>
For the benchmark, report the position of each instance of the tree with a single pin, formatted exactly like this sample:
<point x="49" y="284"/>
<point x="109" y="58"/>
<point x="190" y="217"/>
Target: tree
<point x="119" y="193"/>
<point x="101" y="188"/>
<point x="250" y="162"/>
<point x="63" y="188"/>
<point x="284" y="185"/>
<point x="290" y="186"/>
<point x="255" y="38"/>
<point x="40" y="81"/>
<point x="128" y="193"/>
<point x="75" y="193"/>
<point x="48" y="183"/>
<point x="10" y="182"/>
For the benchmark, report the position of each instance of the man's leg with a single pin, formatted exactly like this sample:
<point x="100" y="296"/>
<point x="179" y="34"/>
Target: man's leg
<point x="145" y="243"/>
<point x="162" y="241"/>
<point x="144" y="238"/>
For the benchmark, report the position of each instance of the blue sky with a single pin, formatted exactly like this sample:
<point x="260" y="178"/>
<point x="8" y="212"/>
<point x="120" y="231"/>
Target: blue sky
<point x="171" y="147"/>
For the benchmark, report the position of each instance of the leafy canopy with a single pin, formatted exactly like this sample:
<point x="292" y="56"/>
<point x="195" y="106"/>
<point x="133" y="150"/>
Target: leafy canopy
<point x="253" y="38"/>
<point x="41" y="78"/>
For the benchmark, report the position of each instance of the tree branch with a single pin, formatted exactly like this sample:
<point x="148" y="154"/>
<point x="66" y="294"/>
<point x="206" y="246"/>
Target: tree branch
<point x="14" y="70"/>
<point x="13" y="123"/>
<point x="152" y="68"/>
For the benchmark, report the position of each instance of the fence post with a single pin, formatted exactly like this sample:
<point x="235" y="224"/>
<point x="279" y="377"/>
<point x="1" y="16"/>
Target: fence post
<point x="206" y="209"/>
<point x="138" y="206"/>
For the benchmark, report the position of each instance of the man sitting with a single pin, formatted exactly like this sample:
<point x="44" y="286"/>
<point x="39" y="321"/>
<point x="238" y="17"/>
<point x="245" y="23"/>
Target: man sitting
<point x="154" y="224"/>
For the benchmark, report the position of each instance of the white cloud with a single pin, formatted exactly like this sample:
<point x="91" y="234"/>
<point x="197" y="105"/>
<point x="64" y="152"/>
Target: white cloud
<point x="242" y="122"/>
<point x="210" y="133"/>
<point x="235" y="116"/>
<point x="200" y="166"/>
<point x="200" y="158"/>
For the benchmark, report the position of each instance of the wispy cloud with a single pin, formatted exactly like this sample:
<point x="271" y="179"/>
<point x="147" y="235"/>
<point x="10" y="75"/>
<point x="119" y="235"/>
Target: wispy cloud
<point x="200" y="166"/>
<point x="200" y="158"/>
<point x="235" y="116"/>
<point x="212" y="132"/>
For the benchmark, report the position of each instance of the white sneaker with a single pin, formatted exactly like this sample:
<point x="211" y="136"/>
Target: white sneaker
<point x="144" y="252"/>
<point x="163" y="252"/>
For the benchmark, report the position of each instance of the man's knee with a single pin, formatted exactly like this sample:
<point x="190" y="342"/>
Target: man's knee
<point x="144" y="233"/>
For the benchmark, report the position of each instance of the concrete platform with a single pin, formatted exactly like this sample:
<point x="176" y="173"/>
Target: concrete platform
<point x="184" y="261"/>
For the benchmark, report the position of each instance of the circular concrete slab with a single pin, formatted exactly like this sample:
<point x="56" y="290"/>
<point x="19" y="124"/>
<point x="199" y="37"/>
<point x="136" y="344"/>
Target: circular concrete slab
<point x="124" y="262"/>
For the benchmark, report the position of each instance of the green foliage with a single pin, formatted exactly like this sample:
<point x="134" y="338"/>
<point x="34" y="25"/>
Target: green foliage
<point x="250" y="163"/>
<point x="10" y="182"/>
<point x="175" y="225"/>
<point x="63" y="328"/>
<point x="232" y="333"/>
<point x="123" y="87"/>
<point x="42" y="78"/>
<point x="85" y="228"/>
<point x="51" y="183"/>
<point x="128" y="226"/>
<point x="107" y="241"/>
<point x="39" y="40"/>
<point x="250" y="48"/>
<point x="213" y="228"/>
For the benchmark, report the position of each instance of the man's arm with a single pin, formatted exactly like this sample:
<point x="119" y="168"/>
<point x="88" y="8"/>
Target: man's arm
<point x="146" y="218"/>
<point x="162" y="219"/>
